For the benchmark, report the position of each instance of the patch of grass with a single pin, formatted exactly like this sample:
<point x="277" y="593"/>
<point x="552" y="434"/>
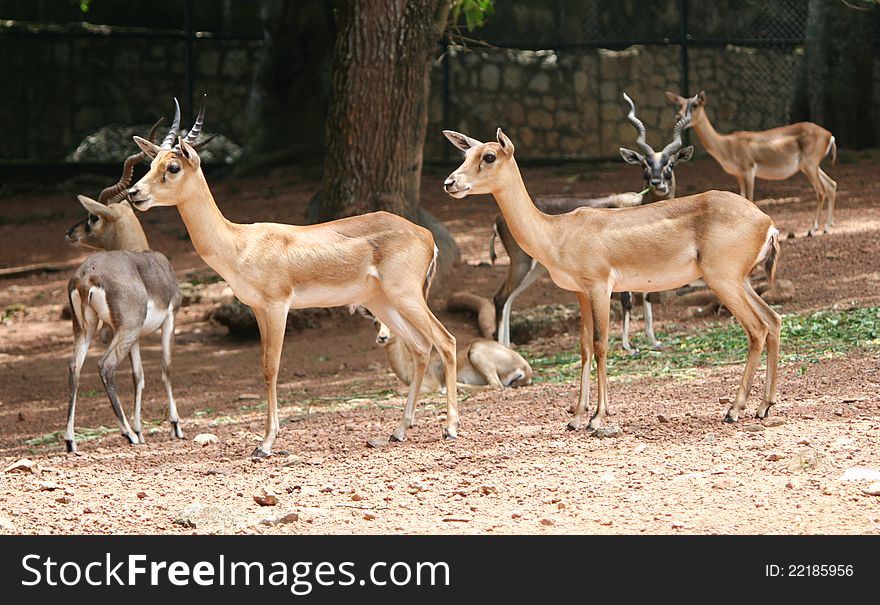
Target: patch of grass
<point x="11" y="310"/>
<point x="806" y="339"/>
<point x="90" y="393"/>
<point x="83" y="434"/>
<point x="203" y="413"/>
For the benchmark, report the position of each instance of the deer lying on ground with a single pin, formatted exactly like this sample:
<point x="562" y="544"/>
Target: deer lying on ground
<point x="716" y="235"/>
<point x="774" y="154"/>
<point x="128" y="290"/>
<point x="378" y="260"/>
<point x="524" y="270"/>
<point x="481" y="363"/>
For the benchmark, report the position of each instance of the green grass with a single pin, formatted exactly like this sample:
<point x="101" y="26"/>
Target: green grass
<point x="806" y="339"/>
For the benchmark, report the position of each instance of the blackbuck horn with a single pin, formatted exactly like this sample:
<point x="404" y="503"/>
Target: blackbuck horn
<point x="638" y="125"/>
<point x="169" y="139"/>
<point x="117" y="192"/>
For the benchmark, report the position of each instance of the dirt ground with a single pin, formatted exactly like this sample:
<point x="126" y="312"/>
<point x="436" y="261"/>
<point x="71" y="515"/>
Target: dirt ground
<point x="514" y="469"/>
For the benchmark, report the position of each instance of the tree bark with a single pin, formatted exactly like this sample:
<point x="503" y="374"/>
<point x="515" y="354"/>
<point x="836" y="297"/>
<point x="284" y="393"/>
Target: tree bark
<point x="835" y="85"/>
<point x="287" y="102"/>
<point x="378" y="109"/>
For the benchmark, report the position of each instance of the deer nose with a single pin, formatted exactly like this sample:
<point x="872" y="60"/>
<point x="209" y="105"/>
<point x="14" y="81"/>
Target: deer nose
<point x="448" y="182"/>
<point x="381" y="339"/>
<point x="655" y="182"/>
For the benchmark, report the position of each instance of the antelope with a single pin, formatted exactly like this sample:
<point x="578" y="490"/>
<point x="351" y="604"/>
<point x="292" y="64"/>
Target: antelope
<point x="524" y="270"/>
<point x="483" y="362"/>
<point x="378" y="260"/>
<point x="128" y="290"/>
<point x="774" y="154"/>
<point x="593" y="252"/>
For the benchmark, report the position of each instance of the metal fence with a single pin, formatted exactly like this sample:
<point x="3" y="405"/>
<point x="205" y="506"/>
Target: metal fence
<point x="753" y="46"/>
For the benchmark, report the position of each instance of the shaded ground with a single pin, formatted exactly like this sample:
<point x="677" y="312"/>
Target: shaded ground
<point x="514" y="469"/>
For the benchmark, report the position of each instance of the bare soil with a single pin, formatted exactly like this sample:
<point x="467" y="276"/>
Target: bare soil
<point x="514" y="469"/>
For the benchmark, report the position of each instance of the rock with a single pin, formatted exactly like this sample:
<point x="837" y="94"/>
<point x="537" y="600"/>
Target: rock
<point x="6" y="524"/>
<point x="265" y="497"/>
<point x="606" y="522"/>
<point x="677" y="525"/>
<point x="857" y="473"/>
<point x="369" y="516"/>
<point x="774" y="421"/>
<point x="48" y="486"/>
<point x="63" y="500"/>
<point x="708" y="438"/>
<point x="357" y="497"/>
<point x="774" y="456"/>
<point x="209" y="518"/>
<point x="837" y="412"/>
<point x="662" y="418"/>
<point x="640" y="448"/>
<point x="204" y="439"/>
<point x="281" y="519"/>
<point x="724" y="400"/>
<point x="546" y="522"/>
<point x="543" y="320"/>
<point x="611" y="430"/>
<point x="377" y="442"/>
<point x="293" y="460"/>
<point x="315" y="461"/>
<point x="873" y="489"/>
<point x="24" y="465"/>
<point x="141" y="495"/>
<point x="249" y="397"/>
<point x="752" y="428"/>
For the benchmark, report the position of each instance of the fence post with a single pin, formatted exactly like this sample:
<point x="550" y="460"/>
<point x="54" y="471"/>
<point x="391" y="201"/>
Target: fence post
<point x="188" y="53"/>
<point x="446" y="93"/>
<point x="685" y="64"/>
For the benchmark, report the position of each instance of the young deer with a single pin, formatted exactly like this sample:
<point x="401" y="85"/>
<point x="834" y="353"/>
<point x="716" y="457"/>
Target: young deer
<point x="774" y="154"/>
<point x="524" y="270"/>
<point x="595" y="251"/>
<point x="481" y="363"/>
<point x="128" y="289"/>
<point x="379" y="260"/>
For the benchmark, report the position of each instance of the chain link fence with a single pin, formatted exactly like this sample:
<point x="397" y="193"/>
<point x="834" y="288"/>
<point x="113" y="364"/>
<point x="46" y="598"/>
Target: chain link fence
<point x="555" y="70"/>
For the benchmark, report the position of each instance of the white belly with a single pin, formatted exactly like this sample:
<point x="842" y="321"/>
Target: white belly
<point x="155" y="317"/>
<point x="322" y="296"/>
<point x="775" y="172"/>
<point x="657" y="281"/>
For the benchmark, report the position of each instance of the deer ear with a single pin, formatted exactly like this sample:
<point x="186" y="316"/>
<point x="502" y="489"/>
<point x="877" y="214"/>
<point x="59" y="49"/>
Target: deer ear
<point x="674" y="98"/>
<point x="95" y="207"/>
<point x="146" y="146"/>
<point x="701" y="97"/>
<point x="462" y="141"/>
<point x="631" y="157"/>
<point x="506" y="143"/>
<point x="685" y="153"/>
<point x="188" y="152"/>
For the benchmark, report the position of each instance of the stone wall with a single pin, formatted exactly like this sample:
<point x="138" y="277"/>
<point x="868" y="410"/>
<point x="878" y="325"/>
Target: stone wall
<point x="570" y="104"/>
<point x="59" y="89"/>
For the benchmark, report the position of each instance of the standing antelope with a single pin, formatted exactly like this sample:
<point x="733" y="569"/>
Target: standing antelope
<point x="524" y="270"/>
<point x="773" y="154"/>
<point x="596" y="251"/>
<point x="379" y="260"/>
<point x="129" y="290"/>
<point x="483" y="362"/>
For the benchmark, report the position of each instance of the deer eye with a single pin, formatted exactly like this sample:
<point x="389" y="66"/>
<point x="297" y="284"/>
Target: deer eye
<point x="93" y="218"/>
<point x="174" y="168"/>
<point x="489" y="158"/>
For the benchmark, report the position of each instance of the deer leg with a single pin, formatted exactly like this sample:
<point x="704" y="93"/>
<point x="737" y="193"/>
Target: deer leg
<point x="600" y="303"/>
<point x="812" y="174"/>
<point x="749" y="178"/>
<point x="272" y="322"/>
<point x="586" y="361"/>
<point x="535" y="271"/>
<point x="137" y="377"/>
<point x="167" y="344"/>
<point x="649" y="325"/>
<point x="774" y="323"/>
<point x="82" y="338"/>
<point x="831" y="196"/>
<point x="733" y="294"/>
<point x="123" y="339"/>
<point x="626" y="304"/>
<point x="487" y="368"/>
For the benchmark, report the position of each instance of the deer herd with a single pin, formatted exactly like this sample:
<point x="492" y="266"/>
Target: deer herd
<point x="382" y="265"/>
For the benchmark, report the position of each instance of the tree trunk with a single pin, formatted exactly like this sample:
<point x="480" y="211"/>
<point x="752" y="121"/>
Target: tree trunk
<point x="378" y="109"/>
<point x="287" y="102"/>
<point x="835" y="85"/>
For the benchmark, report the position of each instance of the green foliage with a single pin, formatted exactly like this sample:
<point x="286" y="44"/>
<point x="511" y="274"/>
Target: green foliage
<point x="475" y="12"/>
<point x="806" y="339"/>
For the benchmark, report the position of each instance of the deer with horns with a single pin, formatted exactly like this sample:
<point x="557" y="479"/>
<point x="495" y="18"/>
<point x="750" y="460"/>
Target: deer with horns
<point x="716" y="235"/>
<point x="525" y="270"/>
<point x="378" y="260"/>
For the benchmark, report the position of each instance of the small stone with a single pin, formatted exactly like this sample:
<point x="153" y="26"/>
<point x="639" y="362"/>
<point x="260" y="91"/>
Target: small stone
<point x="357" y="497"/>
<point x="857" y="473"/>
<point x="248" y="397"/>
<point x="661" y="418"/>
<point x="607" y="431"/>
<point x="24" y="465"/>
<point x="6" y="524"/>
<point x="724" y="400"/>
<point x="753" y="428"/>
<point x="63" y="500"/>
<point x="838" y="412"/>
<point x="873" y="489"/>
<point x="789" y="485"/>
<point x="708" y="438"/>
<point x="369" y="516"/>
<point x="281" y="520"/>
<point x="377" y="442"/>
<point x="141" y="495"/>
<point x="640" y="448"/>
<point x="546" y="522"/>
<point x="204" y="439"/>
<point x="804" y="442"/>
<point x="774" y="421"/>
<point x="315" y="461"/>
<point x="48" y="486"/>
<point x="773" y="457"/>
<point x="606" y="522"/>
<point x="265" y="498"/>
<point x="677" y="525"/>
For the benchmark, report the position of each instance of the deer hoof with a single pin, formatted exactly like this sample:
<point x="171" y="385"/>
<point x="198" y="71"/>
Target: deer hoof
<point x="175" y="427"/>
<point x="728" y="419"/>
<point x="71" y="447"/>
<point x="573" y="424"/>
<point x="397" y="438"/>
<point x="260" y="453"/>
<point x="450" y="433"/>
